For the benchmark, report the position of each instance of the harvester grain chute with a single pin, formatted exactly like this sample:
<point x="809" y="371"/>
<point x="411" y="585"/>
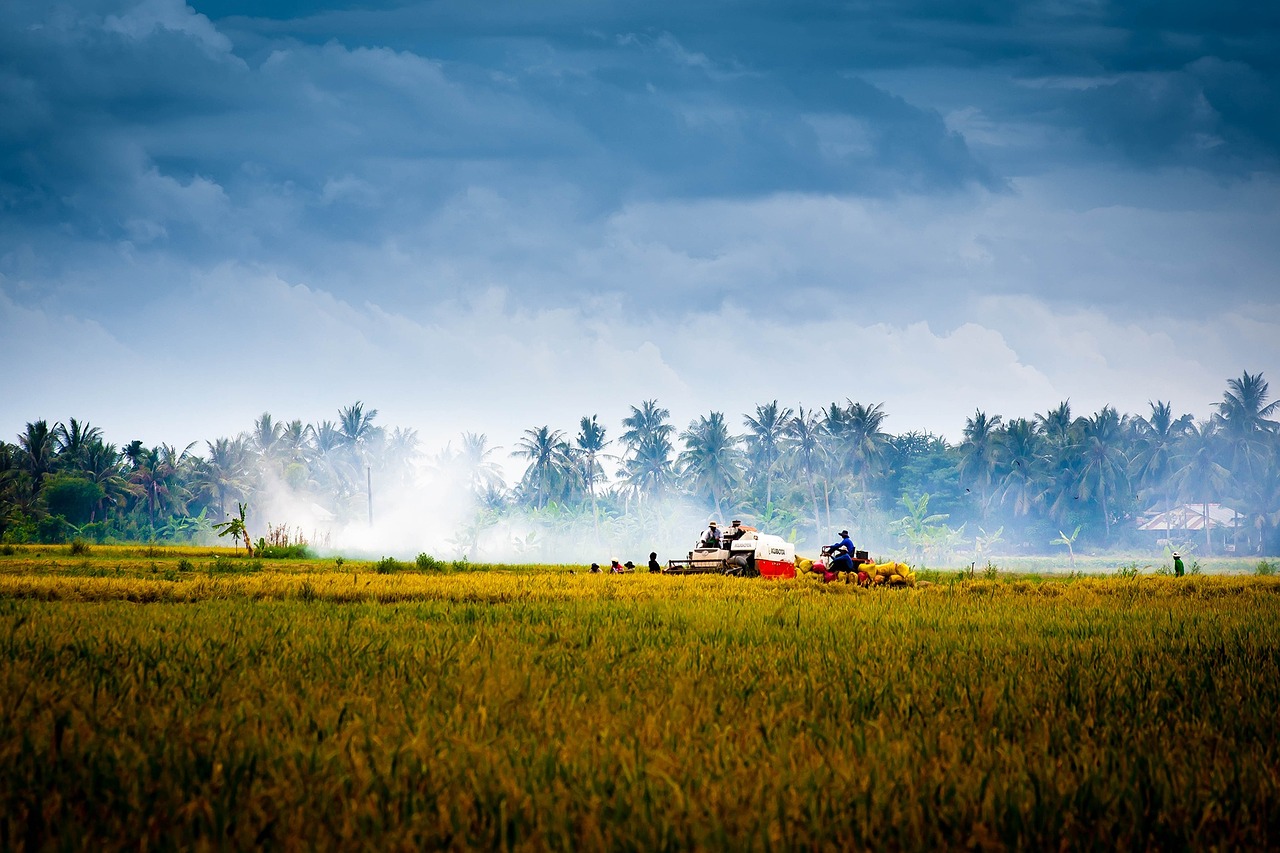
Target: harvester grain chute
<point x="753" y="554"/>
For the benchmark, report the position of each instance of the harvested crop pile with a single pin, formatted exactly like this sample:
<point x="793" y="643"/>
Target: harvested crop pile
<point x="892" y="573"/>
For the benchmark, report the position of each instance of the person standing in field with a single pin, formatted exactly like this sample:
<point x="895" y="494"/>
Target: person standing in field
<point x="654" y="567"/>
<point x="1178" y="569"/>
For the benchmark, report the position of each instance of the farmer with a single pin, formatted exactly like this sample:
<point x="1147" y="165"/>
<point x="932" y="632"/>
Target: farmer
<point x="842" y="554"/>
<point x="1178" y="569"/>
<point x="734" y="532"/>
<point x="654" y="567"/>
<point x="595" y="568"/>
<point x="710" y="537"/>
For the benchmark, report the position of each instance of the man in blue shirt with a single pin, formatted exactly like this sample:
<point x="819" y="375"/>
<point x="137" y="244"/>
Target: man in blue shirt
<point x="842" y="554"/>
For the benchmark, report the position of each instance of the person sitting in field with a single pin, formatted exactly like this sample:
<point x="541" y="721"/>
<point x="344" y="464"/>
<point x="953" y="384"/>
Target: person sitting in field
<point x="654" y="567"/>
<point x="616" y="568"/>
<point x="629" y="566"/>
<point x="595" y="568"/>
<point x="842" y="554"/>
<point x="710" y="537"/>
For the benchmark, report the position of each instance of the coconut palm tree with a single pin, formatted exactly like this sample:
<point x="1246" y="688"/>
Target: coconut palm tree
<point x="865" y="443"/>
<point x="1244" y="425"/>
<point x="400" y="453"/>
<point x="806" y="451"/>
<point x="71" y="442"/>
<point x="159" y="480"/>
<point x="1104" y="464"/>
<point x="266" y="438"/>
<point x="1020" y="467"/>
<point x="768" y="430"/>
<point x="293" y="440"/>
<point x="481" y="472"/>
<point x="355" y="424"/>
<point x="980" y="456"/>
<point x="1057" y="426"/>
<point x="1199" y="477"/>
<point x="38" y="452"/>
<point x="590" y="444"/>
<point x="647" y="466"/>
<point x="551" y="470"/>
<point x="102" y="465"/>
<point x="711" y="459"/>
<point x="1155" y="443"/>
<point x="223" y="475"/>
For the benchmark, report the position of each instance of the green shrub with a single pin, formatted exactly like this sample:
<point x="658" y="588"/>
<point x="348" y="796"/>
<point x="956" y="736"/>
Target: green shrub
<point x="284" y="552"/>
<point x="8" y="550"/>
<point x="79" y="548"/>
<point x="338" y="561"/>
<point x="428" y="563"/>
<point x="387" y="565"/>
<point x="184" y="565"/>
<point x="460" y="565"/>
<point x="1266" y="567"/>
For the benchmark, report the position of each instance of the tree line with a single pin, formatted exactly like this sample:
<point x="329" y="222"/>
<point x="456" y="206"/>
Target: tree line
<point x="1023" y="483"/>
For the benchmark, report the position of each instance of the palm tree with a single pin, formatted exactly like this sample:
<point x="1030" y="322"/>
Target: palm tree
<point x="980" y="454"/>
<point x="293" y="440"/>
<point x="355" y="424"/>
<point x="865" y="443"/>
<point x="159" y="479"/>
<point x="71" y="442"/>
<point x="482" y="473"/>
<point x="1104" y="463"/>
<point x="38" y="452"/>
<point x="589" y="450"/>
<point x="648" y="440"/>
<point x="223" y="475"/>
<point x="551" y="467"/>
<point x="266" y="437"/>
<point x="1243" y="422"/>
<point x="1155" y="441"/>
<point x="765" y="440"/>
<point x="1199" y="477"/>
<point x="102" y="466"/>
<point x="1021" y="466"/>
<point x="399" y="454"/>
<point x="805" y="447"/>
<point x="1056" y="425"/>
<point x="711" y="459"/>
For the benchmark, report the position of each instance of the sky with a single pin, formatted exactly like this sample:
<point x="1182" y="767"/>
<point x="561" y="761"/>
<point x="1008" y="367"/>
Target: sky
<point x="493" y="216"/>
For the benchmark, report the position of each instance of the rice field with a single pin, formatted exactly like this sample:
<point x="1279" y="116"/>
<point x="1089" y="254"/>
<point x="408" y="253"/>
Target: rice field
<point x="306" y="704"/>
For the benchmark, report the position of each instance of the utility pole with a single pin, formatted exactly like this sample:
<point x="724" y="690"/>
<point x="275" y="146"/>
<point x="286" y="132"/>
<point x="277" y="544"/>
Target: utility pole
<point x="369" y="479"/>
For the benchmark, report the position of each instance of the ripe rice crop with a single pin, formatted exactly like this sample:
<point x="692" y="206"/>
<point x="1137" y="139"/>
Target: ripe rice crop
<point x="304" y="705"/>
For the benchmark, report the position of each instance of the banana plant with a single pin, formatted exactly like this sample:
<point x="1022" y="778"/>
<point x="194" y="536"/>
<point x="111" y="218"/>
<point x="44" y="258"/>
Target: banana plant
<point x="235" y="528"/>
<point x="1069" y="541"/>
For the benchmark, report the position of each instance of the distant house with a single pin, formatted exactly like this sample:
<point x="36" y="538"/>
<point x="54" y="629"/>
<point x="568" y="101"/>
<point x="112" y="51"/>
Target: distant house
<point x="1210" y="523"/>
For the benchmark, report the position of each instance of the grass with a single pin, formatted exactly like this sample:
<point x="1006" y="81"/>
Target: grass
<point x="310" y="705"/>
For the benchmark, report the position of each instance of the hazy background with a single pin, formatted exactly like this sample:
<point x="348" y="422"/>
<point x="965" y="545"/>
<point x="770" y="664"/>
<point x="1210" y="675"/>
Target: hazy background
<point x="495" y="216"/>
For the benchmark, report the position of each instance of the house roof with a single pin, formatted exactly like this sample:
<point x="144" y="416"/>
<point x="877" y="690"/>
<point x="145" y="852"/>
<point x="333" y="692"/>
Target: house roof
<point x="1190" y="517"/>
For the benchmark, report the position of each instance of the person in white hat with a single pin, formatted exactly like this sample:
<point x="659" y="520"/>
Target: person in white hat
<point x="710" y="537"/>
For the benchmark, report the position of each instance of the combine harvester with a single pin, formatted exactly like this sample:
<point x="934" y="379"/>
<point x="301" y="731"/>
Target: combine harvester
<point x="752" y="555"/>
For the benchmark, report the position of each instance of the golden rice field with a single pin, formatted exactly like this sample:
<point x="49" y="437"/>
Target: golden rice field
<point x="304" y="704"/>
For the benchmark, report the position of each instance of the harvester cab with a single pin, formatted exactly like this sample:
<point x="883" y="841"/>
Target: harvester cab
<point x="753" y="554"/>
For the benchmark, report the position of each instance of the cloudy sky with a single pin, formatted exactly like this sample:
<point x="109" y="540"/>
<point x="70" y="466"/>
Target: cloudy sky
<point x="494" y="216"/>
